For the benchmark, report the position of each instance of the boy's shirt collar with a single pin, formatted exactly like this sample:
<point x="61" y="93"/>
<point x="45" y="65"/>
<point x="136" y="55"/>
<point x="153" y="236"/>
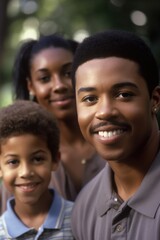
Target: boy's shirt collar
<point x="53" y="220"/>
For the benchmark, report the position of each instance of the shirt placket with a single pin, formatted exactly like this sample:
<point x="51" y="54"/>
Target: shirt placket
<point x="119" y="222"/>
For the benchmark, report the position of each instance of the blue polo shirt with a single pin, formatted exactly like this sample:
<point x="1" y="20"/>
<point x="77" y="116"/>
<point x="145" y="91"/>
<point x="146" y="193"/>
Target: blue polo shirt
<point x="55" y="226"/>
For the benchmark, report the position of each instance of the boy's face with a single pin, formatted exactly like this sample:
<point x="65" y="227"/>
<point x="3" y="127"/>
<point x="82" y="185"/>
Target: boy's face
<point x="26" y="166"/>
<point x="115" y="111"/>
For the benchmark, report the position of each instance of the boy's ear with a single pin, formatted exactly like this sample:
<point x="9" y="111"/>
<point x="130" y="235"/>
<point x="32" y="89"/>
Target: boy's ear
<point x="0" y="172"/>
<point x="0" y="168"/>
<point x="56" y="162"/>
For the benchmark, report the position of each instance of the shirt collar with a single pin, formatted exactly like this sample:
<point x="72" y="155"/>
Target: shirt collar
<point x="145" y="201"/>
<point x="53" y="220"/>
<point x="147" y="198"/>
<point x="105" y="190"/>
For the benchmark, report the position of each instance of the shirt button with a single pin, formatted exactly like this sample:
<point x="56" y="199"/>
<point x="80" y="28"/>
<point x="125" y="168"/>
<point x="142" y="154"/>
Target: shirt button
<point x="116" y="199"/>
<point x="119" y="228"/>
<point x="116" y="207"/>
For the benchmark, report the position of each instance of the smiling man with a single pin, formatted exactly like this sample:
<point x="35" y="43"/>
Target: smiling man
<point x="116" y="80"/>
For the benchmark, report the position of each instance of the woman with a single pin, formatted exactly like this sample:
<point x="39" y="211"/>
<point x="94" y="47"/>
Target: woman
<point x="42" y="72"/>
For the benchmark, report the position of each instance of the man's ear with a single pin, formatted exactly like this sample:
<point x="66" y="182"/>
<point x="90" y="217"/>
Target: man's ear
<point x="155" y="99"/>
<point x="56" y="161"/>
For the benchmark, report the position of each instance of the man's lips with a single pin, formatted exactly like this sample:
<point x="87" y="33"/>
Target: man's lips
<point x="109" y="129"/>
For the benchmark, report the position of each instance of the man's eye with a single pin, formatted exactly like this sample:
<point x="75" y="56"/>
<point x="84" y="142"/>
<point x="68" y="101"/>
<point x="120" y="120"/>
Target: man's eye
<point x="125" y="95"/>
<point x="89" y="99"/>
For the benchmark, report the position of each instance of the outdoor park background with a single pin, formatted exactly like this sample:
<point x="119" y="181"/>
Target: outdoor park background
<point x="21" y="19"/>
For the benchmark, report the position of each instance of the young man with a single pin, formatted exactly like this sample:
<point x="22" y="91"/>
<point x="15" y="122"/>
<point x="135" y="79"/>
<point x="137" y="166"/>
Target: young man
<point x="116" y="83"/>
<point x="29" y="152"/>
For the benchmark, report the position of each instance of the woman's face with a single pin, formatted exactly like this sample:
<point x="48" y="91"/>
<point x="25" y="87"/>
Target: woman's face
<point x="51" y="83"/>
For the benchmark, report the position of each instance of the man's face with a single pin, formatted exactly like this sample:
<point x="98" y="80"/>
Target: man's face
<point x="115" y="111"/>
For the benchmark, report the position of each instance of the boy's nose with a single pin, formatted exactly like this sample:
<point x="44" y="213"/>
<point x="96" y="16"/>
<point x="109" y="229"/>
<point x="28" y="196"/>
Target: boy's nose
<point x="25" y="171"/>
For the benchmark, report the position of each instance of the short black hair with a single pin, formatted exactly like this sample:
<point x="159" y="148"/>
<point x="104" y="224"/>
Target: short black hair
<point x="119" y="43"/>
<point x="27" y="117"/>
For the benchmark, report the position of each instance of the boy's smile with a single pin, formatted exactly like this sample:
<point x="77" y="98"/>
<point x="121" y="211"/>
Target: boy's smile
<point x="26" y="166"/>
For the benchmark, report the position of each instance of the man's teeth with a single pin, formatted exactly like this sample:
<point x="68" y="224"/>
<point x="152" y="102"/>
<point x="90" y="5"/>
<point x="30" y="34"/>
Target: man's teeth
<point x="109" y="134"/>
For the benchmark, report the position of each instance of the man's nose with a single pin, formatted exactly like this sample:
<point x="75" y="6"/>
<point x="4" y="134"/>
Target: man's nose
<point x="106" y="109"/>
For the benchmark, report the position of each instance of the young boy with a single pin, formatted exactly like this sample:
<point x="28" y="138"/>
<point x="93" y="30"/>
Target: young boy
<point x="116" y="81"/>
<point x="29" y="152"/>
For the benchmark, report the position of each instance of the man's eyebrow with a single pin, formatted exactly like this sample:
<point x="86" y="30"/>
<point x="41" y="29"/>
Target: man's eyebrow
<point x="117" y="85"/>
<point x="125" y="84"/>
<point x="85" y="89"/>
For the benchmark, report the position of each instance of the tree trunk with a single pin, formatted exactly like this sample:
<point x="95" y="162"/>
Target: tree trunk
<point x="3" y="24"/>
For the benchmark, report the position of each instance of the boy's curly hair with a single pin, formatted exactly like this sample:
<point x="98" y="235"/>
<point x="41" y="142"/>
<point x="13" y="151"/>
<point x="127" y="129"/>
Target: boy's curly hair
<point x="27" y="117"/>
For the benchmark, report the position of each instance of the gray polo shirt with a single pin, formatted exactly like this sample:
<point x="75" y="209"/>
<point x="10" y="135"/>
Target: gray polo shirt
<point x="98" y="214"/>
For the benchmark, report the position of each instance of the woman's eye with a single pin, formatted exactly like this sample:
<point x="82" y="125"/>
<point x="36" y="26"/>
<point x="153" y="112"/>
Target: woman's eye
<point x="67" y="74"/>
<point x="44" y="79"/>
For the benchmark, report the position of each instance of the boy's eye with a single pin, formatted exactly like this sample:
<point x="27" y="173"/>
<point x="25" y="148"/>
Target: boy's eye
<point x="37" y="159"/>
<point x="12" y="162"/>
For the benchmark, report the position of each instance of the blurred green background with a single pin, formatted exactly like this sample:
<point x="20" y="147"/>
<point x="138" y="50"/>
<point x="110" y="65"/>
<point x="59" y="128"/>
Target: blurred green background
<point x="22" y="19"/>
